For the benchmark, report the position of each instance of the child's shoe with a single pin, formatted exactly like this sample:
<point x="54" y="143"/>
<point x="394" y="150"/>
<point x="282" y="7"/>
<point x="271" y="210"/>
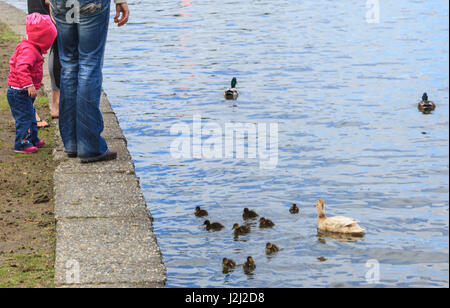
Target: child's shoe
<point x="40" y="144"/>
<point x="29" y="150"/>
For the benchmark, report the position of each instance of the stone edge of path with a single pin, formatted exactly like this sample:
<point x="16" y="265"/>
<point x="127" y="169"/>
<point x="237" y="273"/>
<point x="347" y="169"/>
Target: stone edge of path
<point x="104" y="229"/>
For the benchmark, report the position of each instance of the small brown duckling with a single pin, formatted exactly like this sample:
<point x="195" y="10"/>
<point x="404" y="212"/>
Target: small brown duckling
<point x="294" y="209"/>
<point x="240" y="230"/>
<point x="250" y="265"/>
<point x="266" y="223"/>
<point x="322" y="259"/>
<point x="271" y="248"/>
<point x="200" y="213"/>
<point x="249" y="214"/>
<point x="215" y="226"/>
<point x="228" y="265"/>
<point x="425" y="105"/>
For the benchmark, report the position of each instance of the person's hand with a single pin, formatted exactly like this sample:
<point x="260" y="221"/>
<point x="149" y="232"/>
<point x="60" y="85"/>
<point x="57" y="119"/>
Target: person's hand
<point x="122" y="14"/>
<point x="32" y="92"/>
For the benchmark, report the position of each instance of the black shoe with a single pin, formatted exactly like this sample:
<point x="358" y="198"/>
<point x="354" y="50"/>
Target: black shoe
<point x="72" y="154"/>
<point x="110" y="155"/>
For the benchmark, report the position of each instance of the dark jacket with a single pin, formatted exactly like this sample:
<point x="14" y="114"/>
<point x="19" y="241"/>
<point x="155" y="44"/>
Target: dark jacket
<point x="38" y="6"/>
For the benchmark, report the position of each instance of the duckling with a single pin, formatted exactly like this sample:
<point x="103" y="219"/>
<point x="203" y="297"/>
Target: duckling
<point x="338" y="224"/>
<point x="322" y="259"/>
<point x="265" y="223"/>
<point x="215" y="226"/>
<point x="228" y="265"/>
<point x="294" y="209"/>
<point x="249" y="214"/>
<point x="250" y="265"/>
<point x="425" y="105"/>
<point x="200" y="213"/>
<point x="271" y="248"/>
<point x="240" y="230"/>
<point x="232" y="93"/>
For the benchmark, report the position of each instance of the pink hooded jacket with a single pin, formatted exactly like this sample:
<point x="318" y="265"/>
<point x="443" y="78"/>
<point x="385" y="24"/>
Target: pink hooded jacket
<point x="26" y="63"/>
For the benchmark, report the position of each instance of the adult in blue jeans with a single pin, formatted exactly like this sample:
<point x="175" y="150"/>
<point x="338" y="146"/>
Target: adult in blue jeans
<point x="82" y="29"/>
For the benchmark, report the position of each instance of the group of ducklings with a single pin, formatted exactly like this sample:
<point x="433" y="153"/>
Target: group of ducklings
<point x="336" y="225"/>
<point x="239" y="230"/>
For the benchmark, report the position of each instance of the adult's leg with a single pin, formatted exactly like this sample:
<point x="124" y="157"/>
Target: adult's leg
<point x="92" y="29"/>
<point x="69" y="57"/>
<point x="53" y="59"/>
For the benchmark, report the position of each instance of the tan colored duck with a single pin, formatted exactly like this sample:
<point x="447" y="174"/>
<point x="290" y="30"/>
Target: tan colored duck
<point x="250" y="265"/>
<point x="249" y="214"/>
<point x="294" y="209"/>
<point x="425" y="105"/>
<point x="241" y="230"/>
<point x="228" y="264"/>
<point x="337" y="224"/>
<point x="265" y="223"/>
<point x="200" y="213"/>
<point x="271" y="248"/>
<point x="215" y="226"/>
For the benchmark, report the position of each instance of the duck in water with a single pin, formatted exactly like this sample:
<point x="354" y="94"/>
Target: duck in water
<point x="232" y="93"/>
<point x="215" y="226"/>
<point x="266" y="223"/>
<point x="271" y="248"/>
<point x="426" y="106"/>
<point x="200" y="213"/>
<point x="337" y="224"/>
<point x="249" y="214"/>
<point x="228" y="265"/>
<point x="249" y="266"/>
<point x="294" y="209"/>
<point x="240" y="230"/>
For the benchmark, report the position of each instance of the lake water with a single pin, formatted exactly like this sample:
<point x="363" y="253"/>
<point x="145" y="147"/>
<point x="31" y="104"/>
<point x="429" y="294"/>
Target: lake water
<point x="344" y="93"/>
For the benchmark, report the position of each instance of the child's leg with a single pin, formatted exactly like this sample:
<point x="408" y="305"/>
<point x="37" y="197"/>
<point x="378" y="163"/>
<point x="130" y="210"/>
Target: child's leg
<point x="20" y="103"/>
<point x="34" y="128"/>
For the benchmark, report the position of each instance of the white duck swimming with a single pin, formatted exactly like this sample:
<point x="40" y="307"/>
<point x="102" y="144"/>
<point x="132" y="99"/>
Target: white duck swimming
<point x="338" y="224"/>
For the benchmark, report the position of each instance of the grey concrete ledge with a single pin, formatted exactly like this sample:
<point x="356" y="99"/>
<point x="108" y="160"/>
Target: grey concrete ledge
<point x="104" y="230"/>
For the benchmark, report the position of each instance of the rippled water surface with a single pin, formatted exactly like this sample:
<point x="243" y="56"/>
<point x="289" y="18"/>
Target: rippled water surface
<point x="344" y="93"/>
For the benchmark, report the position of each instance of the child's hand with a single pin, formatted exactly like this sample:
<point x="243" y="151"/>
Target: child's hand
<point x="32" y="92"/>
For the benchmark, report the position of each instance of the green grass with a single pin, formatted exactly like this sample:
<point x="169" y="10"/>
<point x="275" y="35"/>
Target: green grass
<point x="26" y="270"/>
<point x="41" y="102"/>
<point x="3" y="103"/>
<point x="8" y="35"/>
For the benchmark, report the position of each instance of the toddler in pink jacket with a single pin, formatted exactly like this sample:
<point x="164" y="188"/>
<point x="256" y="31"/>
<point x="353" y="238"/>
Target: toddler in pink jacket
<point x="25" y="78"/>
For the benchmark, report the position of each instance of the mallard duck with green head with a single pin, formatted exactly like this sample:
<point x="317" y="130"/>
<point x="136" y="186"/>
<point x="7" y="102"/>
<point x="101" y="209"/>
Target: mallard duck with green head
<point x="232" y="93"/>
<point x="425" y="105"/>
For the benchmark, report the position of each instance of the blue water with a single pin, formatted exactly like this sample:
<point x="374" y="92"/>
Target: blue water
<point x="344" y="94"/>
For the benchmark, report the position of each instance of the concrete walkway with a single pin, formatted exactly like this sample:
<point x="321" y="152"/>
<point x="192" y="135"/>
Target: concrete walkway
<point x="104" y="229"/>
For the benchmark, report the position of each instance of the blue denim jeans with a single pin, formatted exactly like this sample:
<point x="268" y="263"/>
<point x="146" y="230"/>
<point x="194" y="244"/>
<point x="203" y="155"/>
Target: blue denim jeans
<point x="81" y="41"/>
<point x="23" y="112"/>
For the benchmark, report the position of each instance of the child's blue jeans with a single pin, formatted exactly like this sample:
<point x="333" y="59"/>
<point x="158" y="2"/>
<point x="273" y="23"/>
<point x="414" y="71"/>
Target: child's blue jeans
<point x="23" y="112"/>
